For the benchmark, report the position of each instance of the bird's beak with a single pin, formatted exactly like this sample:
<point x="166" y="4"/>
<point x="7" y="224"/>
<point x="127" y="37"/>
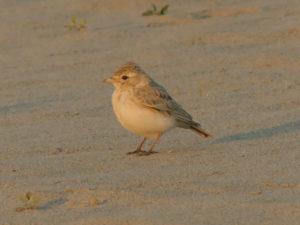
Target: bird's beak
<point x="109" y="80"/>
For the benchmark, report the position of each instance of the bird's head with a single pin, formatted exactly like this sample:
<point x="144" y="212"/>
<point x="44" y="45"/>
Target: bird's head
<point x="129" y="75"/>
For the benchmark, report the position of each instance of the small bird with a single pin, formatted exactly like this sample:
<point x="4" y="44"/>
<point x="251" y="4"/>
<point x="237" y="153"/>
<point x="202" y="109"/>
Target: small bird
<point x="144" y="107"/>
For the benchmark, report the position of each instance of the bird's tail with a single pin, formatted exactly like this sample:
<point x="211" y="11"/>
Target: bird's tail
<point x="200" y="131"/>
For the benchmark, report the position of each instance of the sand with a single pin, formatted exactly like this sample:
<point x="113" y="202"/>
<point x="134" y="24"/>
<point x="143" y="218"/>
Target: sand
<point x="234" y="65"/>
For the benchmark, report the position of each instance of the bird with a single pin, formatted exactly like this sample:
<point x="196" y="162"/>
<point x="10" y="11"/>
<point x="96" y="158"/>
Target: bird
<point x="144" y="107"/>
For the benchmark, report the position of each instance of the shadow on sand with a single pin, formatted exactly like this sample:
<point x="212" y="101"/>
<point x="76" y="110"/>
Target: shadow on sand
<point x="260" y="133"/>
<point x="33" y="104"/>
<point x="52" y="203"/>
<point x="26" y="105"/>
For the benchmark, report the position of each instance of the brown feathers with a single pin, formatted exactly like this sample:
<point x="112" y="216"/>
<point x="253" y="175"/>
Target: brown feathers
<point x="200" y="131"/>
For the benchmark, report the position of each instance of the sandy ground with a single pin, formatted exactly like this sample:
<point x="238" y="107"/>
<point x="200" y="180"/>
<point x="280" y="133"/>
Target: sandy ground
<point x="234" y="65"/>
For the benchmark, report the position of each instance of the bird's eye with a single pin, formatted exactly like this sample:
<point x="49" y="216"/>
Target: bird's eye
<point x="124" y="77"/>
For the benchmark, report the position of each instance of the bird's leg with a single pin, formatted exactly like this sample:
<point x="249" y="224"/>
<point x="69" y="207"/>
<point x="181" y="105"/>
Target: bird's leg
<point x="151" y="148"/>
<point x="139" y="148"/>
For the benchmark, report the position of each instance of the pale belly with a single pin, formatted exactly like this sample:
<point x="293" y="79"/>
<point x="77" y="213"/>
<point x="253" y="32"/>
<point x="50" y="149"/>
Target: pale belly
<point x="140" y="120"/>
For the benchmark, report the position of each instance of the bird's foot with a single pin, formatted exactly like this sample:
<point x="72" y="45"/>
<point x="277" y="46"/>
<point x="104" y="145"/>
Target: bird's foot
<point x="135" y="152"/>
<point x="141" y="152"/>
<point x="145" y="153"/>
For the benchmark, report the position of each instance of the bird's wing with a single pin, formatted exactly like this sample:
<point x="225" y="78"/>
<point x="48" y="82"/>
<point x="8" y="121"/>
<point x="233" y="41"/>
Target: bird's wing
<point x="157" y="98"/>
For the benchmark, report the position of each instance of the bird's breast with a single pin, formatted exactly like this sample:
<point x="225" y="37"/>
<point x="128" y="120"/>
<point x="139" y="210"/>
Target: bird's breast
<point x="140" y="119"/>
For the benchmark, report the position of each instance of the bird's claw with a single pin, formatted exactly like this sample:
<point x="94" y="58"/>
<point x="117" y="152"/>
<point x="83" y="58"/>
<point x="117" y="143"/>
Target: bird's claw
<point x="141" y="153"/>
<point x="144" y="153"/>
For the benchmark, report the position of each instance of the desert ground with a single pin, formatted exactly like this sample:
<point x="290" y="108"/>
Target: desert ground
<point x="232" y="64"/>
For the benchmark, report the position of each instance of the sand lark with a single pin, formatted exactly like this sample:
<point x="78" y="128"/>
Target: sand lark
<point x="144" y="107"/>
